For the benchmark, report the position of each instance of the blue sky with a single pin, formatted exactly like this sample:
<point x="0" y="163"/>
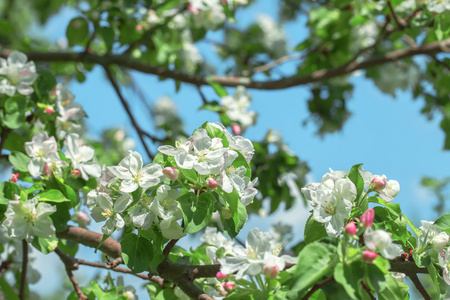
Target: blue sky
<point x="390" y="136"/>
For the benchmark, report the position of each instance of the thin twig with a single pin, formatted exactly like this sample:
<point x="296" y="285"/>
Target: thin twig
<point x="200" y="92"/>
<point x="412" y="15"/>
<point x="367" y="289"/>
<point x="127" y="109"/>
<point x="419" y="286"/>
<point x="23" y="276"/>
<point x="71" y="264"/>
<point x="400" y="22"/>
<point x="272" y="64"/>
<point x="318" y="286"/>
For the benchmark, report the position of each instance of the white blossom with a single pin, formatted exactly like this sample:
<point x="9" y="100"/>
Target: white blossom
<point x="381" y="241"/>
<point x="43" y="152"/>
<point x="134" y="175"/>
<point x="236" y="107"/>
<point x="82" y="157"/>
<point x="110" y="211"/>
<point x="444" y="262"/>
<point x="274" y="38"/>
<point x="438" y="6"/>
<point x="29" y="219"/>
<point x="20" y="74"/>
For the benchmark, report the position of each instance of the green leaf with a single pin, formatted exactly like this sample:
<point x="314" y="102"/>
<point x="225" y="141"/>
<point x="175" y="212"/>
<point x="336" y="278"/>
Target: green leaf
<point x="394" y="290"/>
<point x="313" y="231"/>
<point x="238" y="213"/>
<point x="349" y="276"/>
<point x="7" y="290"/>
<point x="214" y="132"/>
<point x="211" y="106"/>
<point x="220" y="91"/>
<point x="14" y="142"/>
<point x="356" y="178"/>
<point x="14" y="114"/>
<point x="54" y="196"/>
<point x="77" y="31"/>
<point x="315" y="261"/>
<point x="443" y="223"/>
<point x="7" y="191"/>
<point x="137" y="252"/>
<point x="197" y="212"/>
<point x="19" y="160"/>
<point x="439" y="283"/>
<point x="45" y="245"/>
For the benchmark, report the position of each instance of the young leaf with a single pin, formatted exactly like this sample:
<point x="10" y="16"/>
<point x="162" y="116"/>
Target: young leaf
<point x="137" y="252"/>
<point x="19" y="160"/>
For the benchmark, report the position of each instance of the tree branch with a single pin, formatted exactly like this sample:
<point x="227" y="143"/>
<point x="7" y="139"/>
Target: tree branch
<point x="70" y="264"/>
<point x="367" y="289"/>
<point x="169" y="247"/>
<point x="91" y="239"/>
<point x="233" y="81"/>
<point x="127" y="109"/>
<point x="419" y="286"/>
<point x="401" y="23"/>
<point x="23" y="277"/>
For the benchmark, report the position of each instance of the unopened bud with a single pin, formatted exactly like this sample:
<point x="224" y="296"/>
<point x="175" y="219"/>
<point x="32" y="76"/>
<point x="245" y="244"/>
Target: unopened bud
<point x="236" y="129"/>
<point x="14" y="177"/>
<point x="171" y="173"/>
<point x="378" y="183"/>
<point x="369" y="256"/>
<point x="350" y="228"/>
<point x="211" y="183"/>
<point x="82" y="219"/>
<point x="139" y="27"/>
<point x="367" y="217"/>
<point x="221" y="276"/>
<point x="440" y="241"/>
<point x="229" y="286"/>
<point x="76" y="172"/>
<point x="129" y="295"/>
<point x="49" y="110"/>
<point x="271" y="271"/>
<point x="16" y="197"/>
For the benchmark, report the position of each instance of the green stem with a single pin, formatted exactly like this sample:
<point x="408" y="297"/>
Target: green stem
<point x="412" y="226"/>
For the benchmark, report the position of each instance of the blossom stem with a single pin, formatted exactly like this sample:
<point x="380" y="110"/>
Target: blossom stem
<point x="24" y="269"/>
<point x="261" y="283"/>
<point x="361" y="199"/>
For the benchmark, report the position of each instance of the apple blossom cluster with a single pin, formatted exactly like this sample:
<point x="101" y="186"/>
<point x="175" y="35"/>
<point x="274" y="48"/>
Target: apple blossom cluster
<point x="236" y="108"/>
<point x="259" y="257"/>
<point x="274" y="38"/>
<point x="45" y="158"/>
<point x="131" y="194"/>
<point x="17" y="74"/>
<point x="215" y="157"/>
<point x="334" y="197"/>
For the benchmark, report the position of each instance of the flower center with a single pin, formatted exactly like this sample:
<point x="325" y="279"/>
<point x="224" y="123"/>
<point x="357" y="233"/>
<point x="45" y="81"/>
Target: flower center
<point x="107" y="213"/>
<point x="31" y="217"/>
<point x="137" y="177"/>
<point x="201" y="156"/>
<point x="329" y="208"/>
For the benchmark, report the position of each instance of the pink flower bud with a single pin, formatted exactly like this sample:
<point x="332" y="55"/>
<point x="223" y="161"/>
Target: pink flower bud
<point x="82" y="219"/>
<point x="367" y="217"/>
<point x="229" y="286"/>
<point x="236" y="129"/>
<point x="76" y="172"/>
<point x="350" y="228"/>
<point x="221" y="276"/>
<point x="49" y="110"/>
<point x="14" y="177"/>
<point x="16" y="197"/>
<point x="171" y="173"/>
<point x="271" y="270"/>
<point x="211" y="183"/>
<point x="139" y="27"/>
<point x="378" y="183"/>
<point x="193" y="9"/>
<point x="369" y="256"/>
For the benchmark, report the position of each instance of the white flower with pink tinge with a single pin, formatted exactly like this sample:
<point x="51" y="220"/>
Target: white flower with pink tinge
<point x="43" y="152"/>
<point x="135" y="175"/>
<point x="20" y="74"/>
